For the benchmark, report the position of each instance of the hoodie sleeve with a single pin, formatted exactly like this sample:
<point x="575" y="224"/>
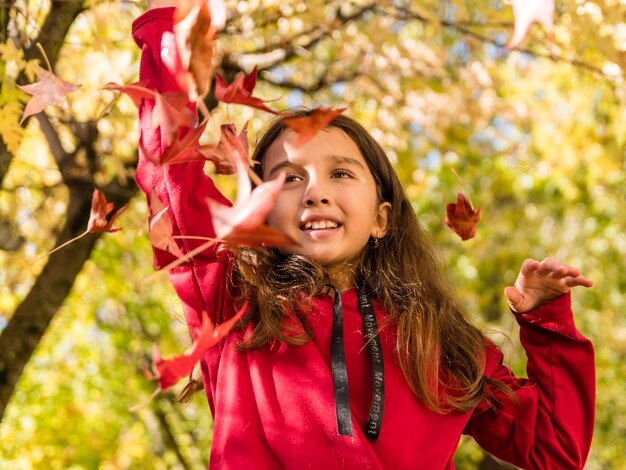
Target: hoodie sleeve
<point x="184" y="187"/>
<point x="552" y="425"/>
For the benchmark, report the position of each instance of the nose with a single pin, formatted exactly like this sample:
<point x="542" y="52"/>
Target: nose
<point x="310" y="202"/>
<point x="316" y="194"/>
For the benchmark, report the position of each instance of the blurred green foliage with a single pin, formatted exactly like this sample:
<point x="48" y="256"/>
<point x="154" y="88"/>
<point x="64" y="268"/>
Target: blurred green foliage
<point x="538" y="143"/>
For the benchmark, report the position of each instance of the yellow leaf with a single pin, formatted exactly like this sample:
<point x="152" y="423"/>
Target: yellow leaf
<point x="30" y="69"/>
<point x="9" y="53"/>
<point x="10" y="130"/>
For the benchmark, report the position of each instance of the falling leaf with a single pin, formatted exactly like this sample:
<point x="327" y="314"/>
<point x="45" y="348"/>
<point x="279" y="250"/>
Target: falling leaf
<point x="188" y="52"/>
<point x="184" y="149"/>
<point x="172" y="60"/>
<point x="461" y="218"/>
<point x="170" y="371"/>
<point x="170" y="109"/>
<point x="100" y="208"/>
<point x="230" y="147"/>
<point x="202" y="47"/>
<point x="527" y="12"/>
<point x="170" y="113"/>
<point x="48" y="90"/>
<point x="308" y="126"/>
<point x="240" y="91"/>
<point x="217" y="9"/>
<point x="160" y="226"/>
<point x="137" y="91"/>
<point x="242" y="224"/>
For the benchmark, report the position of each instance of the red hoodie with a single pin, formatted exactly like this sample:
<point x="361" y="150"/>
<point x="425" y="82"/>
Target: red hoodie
<point x="274" y="407"/>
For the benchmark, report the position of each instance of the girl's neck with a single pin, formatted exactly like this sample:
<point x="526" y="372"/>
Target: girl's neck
<point x="341" y="276"/>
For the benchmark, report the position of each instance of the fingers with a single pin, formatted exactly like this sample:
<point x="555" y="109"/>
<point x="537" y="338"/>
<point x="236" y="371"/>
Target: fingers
<point x="512" y="294"/>
<point x="578" y="281"/>
<point x="529" y="266"/>
<point x="513" y="297"/>
<point x="553" y="268"/>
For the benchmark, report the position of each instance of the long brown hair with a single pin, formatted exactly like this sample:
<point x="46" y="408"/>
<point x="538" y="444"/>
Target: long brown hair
<point x="441" y="354"/>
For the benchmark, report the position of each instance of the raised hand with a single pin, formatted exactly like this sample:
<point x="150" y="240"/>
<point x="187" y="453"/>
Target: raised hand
<point x="540" y="282"/>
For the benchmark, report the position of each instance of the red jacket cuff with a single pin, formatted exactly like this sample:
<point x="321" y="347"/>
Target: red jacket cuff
<point x="555" y="316"/>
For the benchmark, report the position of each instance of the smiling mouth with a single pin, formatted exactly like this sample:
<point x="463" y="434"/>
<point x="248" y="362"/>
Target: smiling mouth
<point x="320" y="225"/>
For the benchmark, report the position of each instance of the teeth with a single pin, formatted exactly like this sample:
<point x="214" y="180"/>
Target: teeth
<point x="320" y="225"/>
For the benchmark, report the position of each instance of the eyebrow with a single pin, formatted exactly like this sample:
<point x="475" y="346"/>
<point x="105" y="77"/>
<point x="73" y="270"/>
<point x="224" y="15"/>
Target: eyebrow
<point x="335" y="159"/>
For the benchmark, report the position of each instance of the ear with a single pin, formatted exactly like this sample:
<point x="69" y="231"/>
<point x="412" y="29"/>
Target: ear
<point x="381" y="223"/>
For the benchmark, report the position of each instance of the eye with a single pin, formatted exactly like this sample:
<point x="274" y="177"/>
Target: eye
<point x="341" y="173"/>
<point x="292" y="178"/>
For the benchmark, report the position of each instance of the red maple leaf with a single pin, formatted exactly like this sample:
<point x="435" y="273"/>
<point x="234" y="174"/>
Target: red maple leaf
<point x="188" y="52"/>
<point x="242" y="223"/>
<point x="527" y="12"/>
<point x="170" y="109"/>
<point x="137" y="91"/>
<point x="100" y="208"/>
<point x="230" y="148"/>
<point x="184" y="149"/>
<point x="172" y="59"/>
<point x="160" y="226"/>
<point x="48" y="90"/>
<point x="461" y="218"/>
<point x="240" y="91"/>
<point x="217" y="9"/>
<point x="308" y="126"/>
<point x="170" y="113"/>
<point x="170" y="371"/>
<point x="98" y="222"/>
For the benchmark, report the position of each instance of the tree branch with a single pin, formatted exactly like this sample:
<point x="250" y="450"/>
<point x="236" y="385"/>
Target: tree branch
<point x="462" y="27"/>
<point x="288" y="47"/>
<point x="323" y="81"/>
<point x="168" y="434"/>
<point x="61" y="157"/>
<point x="5" y="7"/>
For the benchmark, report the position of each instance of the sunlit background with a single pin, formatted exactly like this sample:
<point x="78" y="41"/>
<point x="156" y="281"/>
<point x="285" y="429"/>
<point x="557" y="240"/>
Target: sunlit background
<point x="536" y="136"/>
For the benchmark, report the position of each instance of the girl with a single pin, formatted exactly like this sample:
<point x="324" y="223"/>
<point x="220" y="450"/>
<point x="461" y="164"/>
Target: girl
<point x="355" y="353"/>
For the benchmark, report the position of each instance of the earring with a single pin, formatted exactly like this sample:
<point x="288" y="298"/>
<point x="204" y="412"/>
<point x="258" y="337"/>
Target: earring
<point x="376" y="242"/>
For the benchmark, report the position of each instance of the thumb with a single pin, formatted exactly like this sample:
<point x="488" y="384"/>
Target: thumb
<point x="514" y="298"/>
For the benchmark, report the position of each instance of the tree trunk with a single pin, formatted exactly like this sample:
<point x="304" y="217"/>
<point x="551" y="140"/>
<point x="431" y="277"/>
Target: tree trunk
<point x="31" y="318"/>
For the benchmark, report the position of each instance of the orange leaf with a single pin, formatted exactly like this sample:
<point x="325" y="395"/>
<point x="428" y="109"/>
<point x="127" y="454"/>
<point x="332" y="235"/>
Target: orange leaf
<point x="461" y="218"/>
<point x="308" y="126"/>
<point x="242" y="224"/>
<point x="188" y="51"/>
<point x="262" y="235"/>
<point x="527" y="12"/>
<point x="172" y="59"/>
<point x="160" y="226"/>
<point x="100" y="208"/>
<point x="48" y="90"/>
<point x="217" y="9"/>
<point x="240" y="91"/>
<point x="185" y="149"/>
<point x="170" y="113"/>
<point x="170" y="371"/>
<point x="231" y="147"/>
<point x="137" y="91"/>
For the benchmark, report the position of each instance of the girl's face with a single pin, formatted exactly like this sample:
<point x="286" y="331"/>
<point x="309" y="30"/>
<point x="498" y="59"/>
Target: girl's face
<point x="328" y="203"/>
